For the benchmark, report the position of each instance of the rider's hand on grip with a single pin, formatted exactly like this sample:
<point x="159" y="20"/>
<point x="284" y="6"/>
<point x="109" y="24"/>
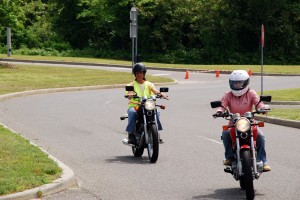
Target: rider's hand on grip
<point x="163" y="95"/>
<point x="218" y="114"/>
<point x="264" y="109"/>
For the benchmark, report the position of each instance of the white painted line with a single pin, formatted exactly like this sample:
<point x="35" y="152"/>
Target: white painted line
<point x="108" y="102"/>
<point x="161" y="74"/>
<point x="215" y="141"/>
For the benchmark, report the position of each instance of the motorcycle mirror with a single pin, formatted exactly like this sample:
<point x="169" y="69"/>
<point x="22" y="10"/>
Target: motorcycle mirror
<point x="129" y="88"/>
<point x="164" y="89"/>
<point x="266" y="98"/>
<point x="215" y="104"/>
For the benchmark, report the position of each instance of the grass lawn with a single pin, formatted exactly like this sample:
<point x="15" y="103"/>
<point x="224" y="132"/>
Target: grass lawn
<point x="23" y="165"/>
<point x="16" y="78"/>
<point x="285" y="95"/>
<point x="285" y="113"/>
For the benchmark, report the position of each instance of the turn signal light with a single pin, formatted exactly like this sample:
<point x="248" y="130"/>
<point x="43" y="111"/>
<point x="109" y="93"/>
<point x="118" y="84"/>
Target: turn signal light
<point x="136" y="108"/>
<point x="163" y="107"/>
<point x="261" y="124"/>
<point x="225" y="128"/>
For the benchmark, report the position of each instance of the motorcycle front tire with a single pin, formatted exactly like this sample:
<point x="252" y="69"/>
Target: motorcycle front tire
<point x="138" y="150"/>
<point x="248" y="178"/>
<point x="153" y="145"/>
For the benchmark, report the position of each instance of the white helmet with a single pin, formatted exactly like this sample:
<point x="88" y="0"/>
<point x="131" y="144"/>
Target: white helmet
<point x="239" y="82"/>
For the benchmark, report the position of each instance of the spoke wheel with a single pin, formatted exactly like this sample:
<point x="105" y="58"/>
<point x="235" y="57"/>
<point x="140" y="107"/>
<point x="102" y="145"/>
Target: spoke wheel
<point x="153" y="144"/>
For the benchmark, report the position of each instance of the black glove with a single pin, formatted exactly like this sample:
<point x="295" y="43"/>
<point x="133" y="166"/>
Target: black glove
<point x="219" y="114"/>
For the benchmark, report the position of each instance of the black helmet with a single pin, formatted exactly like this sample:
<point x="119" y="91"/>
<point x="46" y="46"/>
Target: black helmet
<point x="139" y="67"/>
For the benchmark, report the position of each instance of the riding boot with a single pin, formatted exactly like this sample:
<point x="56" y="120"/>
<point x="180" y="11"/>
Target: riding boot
<point x="131" y="138"/>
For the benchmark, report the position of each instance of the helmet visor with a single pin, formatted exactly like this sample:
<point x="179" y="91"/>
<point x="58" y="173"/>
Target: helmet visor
<point x="238" y="85"/>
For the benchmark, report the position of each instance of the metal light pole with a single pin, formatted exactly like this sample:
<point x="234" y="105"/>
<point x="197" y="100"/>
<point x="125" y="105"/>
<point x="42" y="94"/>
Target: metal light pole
<point x="262" y="55"/>
<point x="133" y="33"/>
<point x="8" y="42"/>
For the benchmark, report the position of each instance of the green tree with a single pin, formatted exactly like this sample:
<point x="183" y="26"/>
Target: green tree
<point x="12" y="16"/>
<point x="281" y="21"/>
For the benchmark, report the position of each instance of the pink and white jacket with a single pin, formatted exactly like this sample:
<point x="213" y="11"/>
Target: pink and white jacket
<point x="241" y="104"/>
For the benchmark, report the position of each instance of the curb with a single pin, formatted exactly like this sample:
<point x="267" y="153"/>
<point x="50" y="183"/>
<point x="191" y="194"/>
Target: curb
<point x="68" y="89"/>
<point x="66" y="181"/>
<point x="277" y="121"/>
<point x="284" y="103"/>
<point x="53" y="90"/>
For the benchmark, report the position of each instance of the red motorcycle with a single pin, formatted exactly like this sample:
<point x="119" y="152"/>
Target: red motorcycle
<point x="244" y="168"/>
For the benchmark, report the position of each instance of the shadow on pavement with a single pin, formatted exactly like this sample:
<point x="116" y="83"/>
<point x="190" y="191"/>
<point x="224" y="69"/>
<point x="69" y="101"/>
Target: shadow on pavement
<point x="129" y="160"/>
<point x="225" y="194"/>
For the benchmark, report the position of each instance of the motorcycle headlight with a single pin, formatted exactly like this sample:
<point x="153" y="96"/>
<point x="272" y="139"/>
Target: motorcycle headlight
<point x="149" y="104"/>
<point x="243" y="125"/>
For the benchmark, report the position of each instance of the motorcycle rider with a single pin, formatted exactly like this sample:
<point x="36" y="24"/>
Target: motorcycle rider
<point x="141" y="87"/>
<point x="241" y="99"/>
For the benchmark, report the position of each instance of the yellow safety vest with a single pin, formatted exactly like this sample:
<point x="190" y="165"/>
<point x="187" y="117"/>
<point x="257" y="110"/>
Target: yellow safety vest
<point x="147" y="92"/>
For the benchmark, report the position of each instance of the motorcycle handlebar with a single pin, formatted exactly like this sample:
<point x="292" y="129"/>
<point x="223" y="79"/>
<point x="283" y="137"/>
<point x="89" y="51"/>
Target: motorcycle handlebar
<point x="261" y="111"/>
<point x="135" y="96"/>
<point x="225" y="114"/>
<point x="159" y="96"/>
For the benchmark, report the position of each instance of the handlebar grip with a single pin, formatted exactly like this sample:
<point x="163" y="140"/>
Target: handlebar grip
<point x="123" y="117"/>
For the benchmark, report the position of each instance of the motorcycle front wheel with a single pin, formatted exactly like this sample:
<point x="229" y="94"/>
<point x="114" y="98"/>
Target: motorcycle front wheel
<point x="137" y="151"/>
<point x="248" y="178"/>
<point x="153" y="144"/>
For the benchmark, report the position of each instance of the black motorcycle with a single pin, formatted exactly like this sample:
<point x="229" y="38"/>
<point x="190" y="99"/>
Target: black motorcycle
<point x="146" y="131"/>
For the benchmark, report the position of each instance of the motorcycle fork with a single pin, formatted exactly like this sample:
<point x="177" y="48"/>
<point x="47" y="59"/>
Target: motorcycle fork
<point x="256" y="174"/>
<point x="149" y="123"/>
<point x="238" y="154"/>
<point x="252" y="148"/>
<point x="155" y="119"/>
<point x="145" y="127"/>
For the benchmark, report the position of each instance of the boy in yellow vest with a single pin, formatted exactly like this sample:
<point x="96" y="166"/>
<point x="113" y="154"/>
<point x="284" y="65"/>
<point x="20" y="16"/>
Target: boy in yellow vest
<point x="142" y="88"/>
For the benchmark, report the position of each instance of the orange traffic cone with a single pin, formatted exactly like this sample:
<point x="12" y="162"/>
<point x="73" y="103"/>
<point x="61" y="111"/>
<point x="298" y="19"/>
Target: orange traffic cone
<point x="186" y="74"/>
<point x="250" y="72"/>
<point x="217" y="73"/>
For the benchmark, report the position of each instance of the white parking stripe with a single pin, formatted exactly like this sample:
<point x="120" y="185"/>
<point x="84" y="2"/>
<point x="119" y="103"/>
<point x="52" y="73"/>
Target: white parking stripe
<point x="215" y="141"/>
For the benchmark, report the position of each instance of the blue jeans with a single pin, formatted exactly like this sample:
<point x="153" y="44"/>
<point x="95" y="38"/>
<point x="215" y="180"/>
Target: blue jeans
<point x="132" y="117"/>
<point x="260" y="144"/>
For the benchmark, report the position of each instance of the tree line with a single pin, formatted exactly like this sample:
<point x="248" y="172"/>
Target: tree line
<point x="170" y="31"/>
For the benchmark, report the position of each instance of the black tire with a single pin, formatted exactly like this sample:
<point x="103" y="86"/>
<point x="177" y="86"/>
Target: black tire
<point x="248" y="178"/>
<point x="242" y="183"/>
<point x="137" y="151"/>
<point x="153" y="146"/>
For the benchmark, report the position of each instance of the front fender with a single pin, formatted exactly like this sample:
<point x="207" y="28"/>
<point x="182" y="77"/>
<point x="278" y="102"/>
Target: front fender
<point x="245" y="146"/>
